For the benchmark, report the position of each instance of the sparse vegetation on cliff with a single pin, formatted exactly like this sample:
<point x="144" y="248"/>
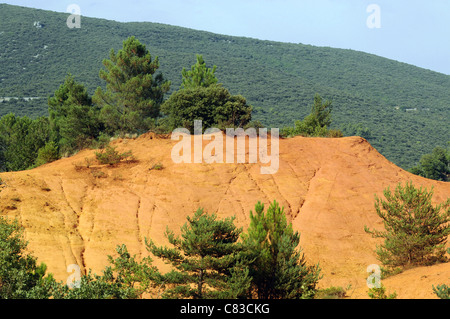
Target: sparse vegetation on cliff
<point x="109" y="155"/>
<point x="208" y="262"/>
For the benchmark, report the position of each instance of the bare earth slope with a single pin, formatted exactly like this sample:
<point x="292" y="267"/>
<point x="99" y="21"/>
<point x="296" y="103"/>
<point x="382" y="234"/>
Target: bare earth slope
<point x="74" y="214"/>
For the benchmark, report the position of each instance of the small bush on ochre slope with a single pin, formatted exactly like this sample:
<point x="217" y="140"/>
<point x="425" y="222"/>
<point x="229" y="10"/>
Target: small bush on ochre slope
<point x="110" y="156"/>
<point x="415" y="231"/>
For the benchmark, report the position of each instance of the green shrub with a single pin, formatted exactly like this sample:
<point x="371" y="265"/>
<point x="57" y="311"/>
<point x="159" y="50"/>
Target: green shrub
<point x="21" y="277"/>
<point x="442" y="291"/>
<point x="110" y="156"/>
<point x="415" y="231"/>
<point x="335" y="133"/>
<point x="98" y="174"/>
<point x="331" y="293"/>
<point x="435" y="165"/>
<point x="380" y="293"/>
<point x="101" y="141"/>
<point x="315" y="124"/>
<point x="47" y="154"/>
<point x="158" y="166"/>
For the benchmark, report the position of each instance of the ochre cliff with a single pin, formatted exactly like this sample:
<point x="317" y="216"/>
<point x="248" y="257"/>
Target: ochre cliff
<point x="75" y="214"/>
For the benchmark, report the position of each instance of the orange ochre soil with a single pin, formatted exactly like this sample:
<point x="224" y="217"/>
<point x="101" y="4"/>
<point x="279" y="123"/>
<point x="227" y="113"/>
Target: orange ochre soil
<point x="76" y="211"/>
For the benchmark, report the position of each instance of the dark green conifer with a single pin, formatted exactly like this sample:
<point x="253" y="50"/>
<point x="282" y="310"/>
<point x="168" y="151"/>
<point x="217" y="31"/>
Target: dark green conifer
<point x="415" y="231"/>
<point x="204" y="258"/>
<point x="278" y="268"/>
<point x="133" y="92"/>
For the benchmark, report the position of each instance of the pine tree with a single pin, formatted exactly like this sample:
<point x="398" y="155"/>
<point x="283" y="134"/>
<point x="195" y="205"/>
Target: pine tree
<point x="47" y="154"/>
<point x="415" y="231"/>
<point x="199" y="75"/>
<point x="21" y="139"/>
<point x="74" y="122"/>
<point x="321" y="112"/>
<point x="316" y="123"/>
<point x="201" y="97"/>
<point x="69" y="93"/>
<point x="277" y="267"/>
<point x="133" y="92"/>
<point x="205" y="259"/>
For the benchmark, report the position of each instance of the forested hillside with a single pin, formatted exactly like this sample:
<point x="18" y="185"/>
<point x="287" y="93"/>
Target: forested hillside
<point x="401" y="109"/>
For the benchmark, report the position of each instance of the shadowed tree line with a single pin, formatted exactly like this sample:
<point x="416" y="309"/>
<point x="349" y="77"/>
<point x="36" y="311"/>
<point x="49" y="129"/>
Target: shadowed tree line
<point x="132" y="103"/>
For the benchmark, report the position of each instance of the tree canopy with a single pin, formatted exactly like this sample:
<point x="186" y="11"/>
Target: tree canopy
<point x="74" y="122"/>
<point x="415" y="231"/>
<point x="199" y="75"/>
<point x="213" y="105"/>
<point x="204" y="259"/>
<point x="278" y="267"/>
<point x="202" y="98"/>
<point x="435" y="165"/>
<point x="20" y="141"/>
<point x="21" y="277"/>
<point x="134" y="91"/>
<point x="316" y="123"/>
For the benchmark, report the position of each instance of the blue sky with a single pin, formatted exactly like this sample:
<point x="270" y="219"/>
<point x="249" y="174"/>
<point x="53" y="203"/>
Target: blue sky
<point x="415" y="32"/>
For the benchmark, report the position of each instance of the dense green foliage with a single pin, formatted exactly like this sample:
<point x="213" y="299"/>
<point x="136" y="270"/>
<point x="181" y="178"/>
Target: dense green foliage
<point x="442" y="291"/>
<point x="356" y="129"/>
<point x="204" y="258"/>
<point x="415" y="231"/>
<point x="74" y="122"/>
<point x="202" y="98"/>
<point x="109" y="155"/>
<point x="405" y="108"/>
<point x="21" y="138"/>
<point x="47" y="154"/>
<point x="435" y="165"/>
<point x="316" y="124"/>
<point x="20" y="275"/>
<point x="214" y="105"/>
<point x="380" y="293"/>
<point x="199" y="75"/>
<point x="278" y="269"/>
<point x="133" y="92"/>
